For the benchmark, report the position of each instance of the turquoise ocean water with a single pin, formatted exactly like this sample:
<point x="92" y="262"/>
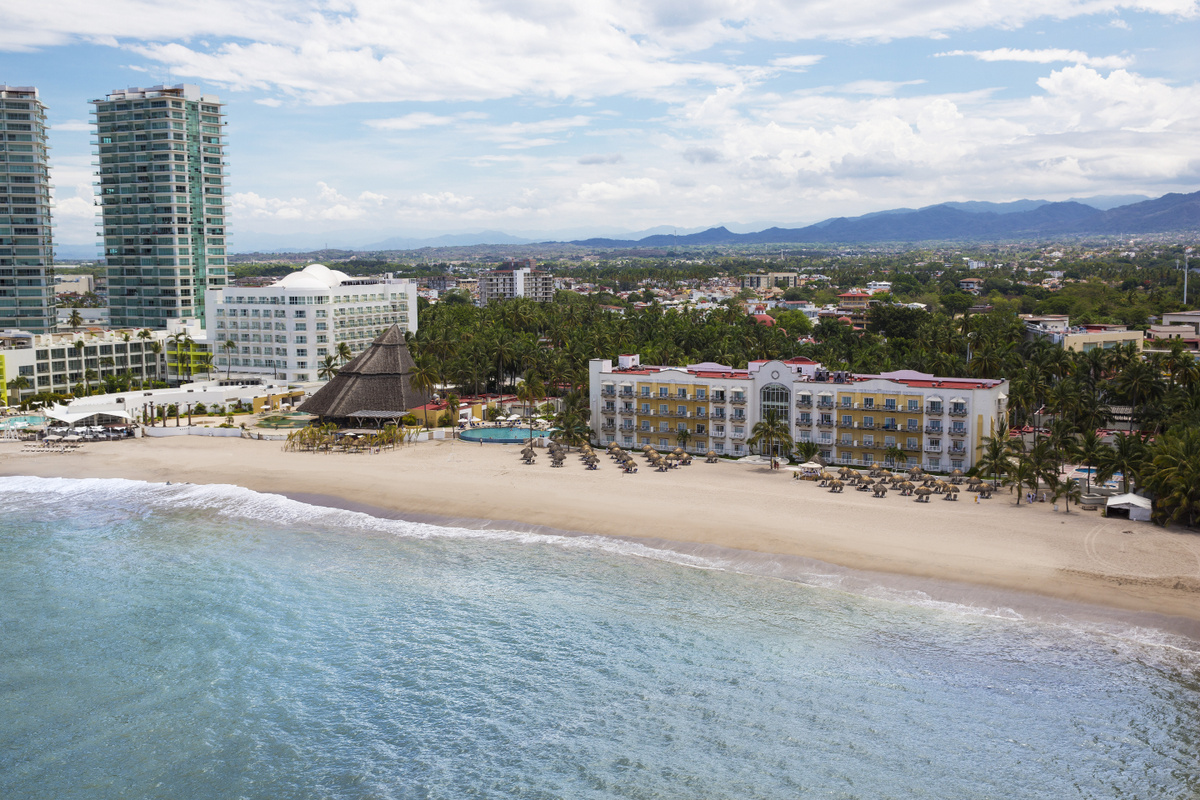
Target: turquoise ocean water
<point x="210" y="642"/>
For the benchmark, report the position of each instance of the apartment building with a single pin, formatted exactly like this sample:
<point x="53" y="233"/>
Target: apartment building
<point x="1058" y="329"/>
<point x="161" y="173"/>
<point x="26" y="252"/>
<point x="58" y="362"/>
<point x="902" y="418"/>
<point x="769" y="280"/>
<point x="506" y="284"/>
<point x="286" y="329"/>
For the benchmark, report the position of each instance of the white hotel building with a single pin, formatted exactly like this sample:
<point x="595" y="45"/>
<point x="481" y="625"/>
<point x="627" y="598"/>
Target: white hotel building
<point x="286" y="329"/>
<point x="938" y="423"/>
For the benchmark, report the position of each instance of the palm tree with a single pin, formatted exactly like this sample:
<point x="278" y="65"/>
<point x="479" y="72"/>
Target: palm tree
<point x="424" y="379"/>
<point x="75" y="319"/>
<point x="1021" y="475"/>
<point x="327" y="368"/>
<point x="769" y="432"/>
<point x="1126" y="456"/>
<point x="895" y="455"/>
<point x="1068" y="490"/>
<point x="89" y="375"/>
<point x="452" y="406"/>
<point x="807" y="449"/>
<point x="17" y="384"/>
<point x="204" y="362"/>
<point x="530" y="390"/>
<point x="995" y="459"/>
<point x="229" y="346"/>
<point x="344" y="353"/>
<point x="1089" y="448"/>
<point x="571" y="428"/>
<point x="1173" y="474"/>
<point x="683" y="437"/>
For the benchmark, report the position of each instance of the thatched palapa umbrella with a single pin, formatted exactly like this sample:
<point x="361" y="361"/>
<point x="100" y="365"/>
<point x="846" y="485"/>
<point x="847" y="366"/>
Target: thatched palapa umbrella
<point x="711" y="457"/>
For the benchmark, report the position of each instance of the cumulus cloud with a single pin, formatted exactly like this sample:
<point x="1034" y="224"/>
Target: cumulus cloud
<point x="600" y="158"/>
<point x="1049" y="56"/>
<point x="620" y="189"/>
<point x="430" y="50"/>
<point x="422" y="119"/>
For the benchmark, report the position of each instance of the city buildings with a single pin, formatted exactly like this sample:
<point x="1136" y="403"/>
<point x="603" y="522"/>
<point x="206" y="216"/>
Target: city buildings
<point x="160" y="153"/>
<point x="286" y="329"/>
<point x="59" y="362"/>
<point x="26" y="254"/>
<point x="902" y="418"/>
<point x="505" y="284"/>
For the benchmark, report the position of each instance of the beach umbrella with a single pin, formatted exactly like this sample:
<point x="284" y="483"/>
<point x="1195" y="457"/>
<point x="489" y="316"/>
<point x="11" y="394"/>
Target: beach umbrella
<point x="957" y="473"/>
<point x="951" y="490"/>
<point x="923" y="493"/>
<point x="867" y="481"/>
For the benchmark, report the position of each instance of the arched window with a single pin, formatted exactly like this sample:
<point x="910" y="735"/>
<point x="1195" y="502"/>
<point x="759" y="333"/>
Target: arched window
<point x="775" y="398"/>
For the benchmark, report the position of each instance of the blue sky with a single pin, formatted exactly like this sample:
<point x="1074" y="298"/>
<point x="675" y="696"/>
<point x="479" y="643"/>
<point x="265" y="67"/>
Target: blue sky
<point x="361" y="120"/>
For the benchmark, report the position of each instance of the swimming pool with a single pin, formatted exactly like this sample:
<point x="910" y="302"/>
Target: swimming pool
<point x="508" y="435"/>
<point x="26" y="421"/>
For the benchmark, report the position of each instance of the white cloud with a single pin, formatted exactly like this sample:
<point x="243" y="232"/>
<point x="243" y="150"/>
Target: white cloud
<point x="72" y="125"/>
<point x="429" y="50"/>
<point x="1049" y="56"/>
<point x="621" y="189"/>
<point x="422" y="119"/>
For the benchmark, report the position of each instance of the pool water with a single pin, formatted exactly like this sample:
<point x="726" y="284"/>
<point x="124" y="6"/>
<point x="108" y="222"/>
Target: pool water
<point x="507" y="435"/>
<point x="26" y="421"/>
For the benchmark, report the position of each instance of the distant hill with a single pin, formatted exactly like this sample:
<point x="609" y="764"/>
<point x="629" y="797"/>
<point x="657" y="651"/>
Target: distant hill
<point x="959" y="222"/>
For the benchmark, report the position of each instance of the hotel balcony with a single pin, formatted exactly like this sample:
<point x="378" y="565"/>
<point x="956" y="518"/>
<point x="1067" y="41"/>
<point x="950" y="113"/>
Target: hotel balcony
<point x="890" y="427"/>
<point x="933" y="429"/>
<point x="825" y="423"/>
<point x="804" y="402"/>
<point x="867" y="425"/>
<point x="958" y="412"/>
<point x="958" y="431"/>
<point x="608" y="426"/>
<point x="608" y="392"/>
<point x="738" y="401"/>
<point x="850" y="424"/>
<point x="824" y="404"/>
<point x="957" y="450"/>
<point x="912" y="448"/>
<point x="933" y="448"/>
<point x="701" y="414"/>
<point x="935" y="410"/>
<point x="737" y="437"/>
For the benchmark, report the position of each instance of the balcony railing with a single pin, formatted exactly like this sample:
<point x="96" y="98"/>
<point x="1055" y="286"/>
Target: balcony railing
<point x="824" y="404"/>
<point x="608" y="392"/>
<point x="957" y="451"/>
<point x="933" y="429"/>
<point x="738" y="401"/>
<point x="825" y="423"/>
<point x="933" y="448"/>
<point x="804" y="402"/>
<point x="934" y="410"/>
<point x="850" y="424"/>
<point x="958" y="412"/>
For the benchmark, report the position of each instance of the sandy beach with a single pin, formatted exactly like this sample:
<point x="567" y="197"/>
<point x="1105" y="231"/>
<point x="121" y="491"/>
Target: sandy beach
<point x="1080" y="557"/>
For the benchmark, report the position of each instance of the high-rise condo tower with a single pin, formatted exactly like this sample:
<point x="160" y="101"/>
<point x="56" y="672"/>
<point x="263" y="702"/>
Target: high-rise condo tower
<point x="26" y="254"/>
<point x="162" y="183"/>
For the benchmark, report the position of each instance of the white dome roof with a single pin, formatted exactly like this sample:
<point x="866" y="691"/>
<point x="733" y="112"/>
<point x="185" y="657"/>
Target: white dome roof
<point x="314" y="276"/>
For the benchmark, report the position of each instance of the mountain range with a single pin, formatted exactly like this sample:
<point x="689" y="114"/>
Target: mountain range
<point x="1023" y="219"/>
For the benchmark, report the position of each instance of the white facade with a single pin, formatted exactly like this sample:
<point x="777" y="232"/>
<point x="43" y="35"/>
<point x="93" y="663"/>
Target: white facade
<point x="287" y="329"/>
<point x="52" y="362"/>
<point x="506" y="284"/>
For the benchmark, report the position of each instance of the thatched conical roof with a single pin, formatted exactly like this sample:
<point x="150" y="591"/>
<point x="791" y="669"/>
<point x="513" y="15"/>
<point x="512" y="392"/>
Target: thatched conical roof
<point x="378" y="379"/>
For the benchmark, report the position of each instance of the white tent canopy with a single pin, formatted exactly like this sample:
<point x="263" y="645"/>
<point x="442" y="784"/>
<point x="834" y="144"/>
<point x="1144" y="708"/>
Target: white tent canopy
<point x="72" y="417"/>
<point x="1137" y="506"/>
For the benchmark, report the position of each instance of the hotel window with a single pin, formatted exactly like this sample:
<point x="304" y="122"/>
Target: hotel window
<point x="805" y="418"/>
<point x="889" y="423"/>
<point x="914" y="424"/>
<point x="645" y="408"/>
<point x="699" y="429"/>
<point x="845" y="442"/>
<point x="847" y="420"/>
<point x="664" y="426"/>
<point x="681" y="392"/>
<point x="868" y="402"/>
<point x="645" y="391"/>
<point x="847" y="401"/>
<point x="719" y="430"/>
<point x="868" y="441"/>
<point x="719" y="447"/>
<point x="662" y="391"/>
<point x="663" y="442"/>
<point x="662" y="408"/>
<point x="911" y="442"/>
<point x="645" y="425"/>
<point x="627" y="441"/>
<point x="775" y="398"/>
<point x="700" y="394"/>
<point x="680" y="427"/>
<point x="868" y="459"/>
<point x="889" y="403"/>
<point x="719" y="396"/>
<point x="681" y="411"/>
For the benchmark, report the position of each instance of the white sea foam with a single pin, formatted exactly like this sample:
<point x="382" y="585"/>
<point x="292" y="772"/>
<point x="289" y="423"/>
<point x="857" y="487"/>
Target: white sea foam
<point x="67" y="496"/>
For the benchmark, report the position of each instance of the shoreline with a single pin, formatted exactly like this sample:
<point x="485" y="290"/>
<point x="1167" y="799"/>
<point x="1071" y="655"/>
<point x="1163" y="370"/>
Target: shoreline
<point x="985" y="554"/>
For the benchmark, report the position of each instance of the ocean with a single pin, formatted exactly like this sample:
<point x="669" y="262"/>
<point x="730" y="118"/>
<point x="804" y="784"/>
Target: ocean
<point x="211" y="642"/>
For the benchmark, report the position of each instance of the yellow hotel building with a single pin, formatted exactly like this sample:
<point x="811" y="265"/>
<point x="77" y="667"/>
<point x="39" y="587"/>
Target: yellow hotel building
<point x="902" y="418"/>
